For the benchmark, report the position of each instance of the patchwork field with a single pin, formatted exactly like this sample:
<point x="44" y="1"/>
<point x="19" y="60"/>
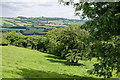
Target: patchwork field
<point x="35" y="25"/>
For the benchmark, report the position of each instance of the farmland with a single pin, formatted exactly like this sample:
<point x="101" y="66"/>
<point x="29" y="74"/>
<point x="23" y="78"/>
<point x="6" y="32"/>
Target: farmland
<point x="35" y="25"/>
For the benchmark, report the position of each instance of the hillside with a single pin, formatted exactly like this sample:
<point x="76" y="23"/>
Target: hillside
<point x="20" y="62"/>
<point x="35" y="25"/>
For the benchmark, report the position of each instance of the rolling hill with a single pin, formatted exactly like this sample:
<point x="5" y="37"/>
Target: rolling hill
<point x="20" y="62"/>
<point x="35" y="25"/>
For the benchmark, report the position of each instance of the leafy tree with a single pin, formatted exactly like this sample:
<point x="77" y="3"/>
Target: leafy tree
<point x="108" y="53"/>
<point x="34" y="42"/>
<point x="54" y="45"/>
<point x="21" y="43"/>
<point x="21" y="17"/>
<point x="17" y="39"/>
<point x="71" y="43"/>
<point x="42" y="44"/>
<point x="104" y="16"/>
<point x="76" y="43"/>
<point x="4" y="41"/>
<point x="13" y="37"/>
<point x="29" y="40"/>
<point x="105" y="27"/>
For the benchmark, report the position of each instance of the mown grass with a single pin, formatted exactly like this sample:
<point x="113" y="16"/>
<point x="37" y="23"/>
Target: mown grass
<point x="20" y="62"/>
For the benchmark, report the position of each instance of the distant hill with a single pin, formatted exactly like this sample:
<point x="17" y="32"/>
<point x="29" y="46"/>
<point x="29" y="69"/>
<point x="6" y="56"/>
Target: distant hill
<point x="35" y="25"/>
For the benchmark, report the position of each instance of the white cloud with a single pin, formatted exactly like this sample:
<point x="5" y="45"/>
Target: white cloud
<point x="41" y="1"/>
<point x="48" y="8"/>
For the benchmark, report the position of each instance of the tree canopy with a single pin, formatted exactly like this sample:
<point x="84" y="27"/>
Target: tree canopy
<point x="104" y="26"/>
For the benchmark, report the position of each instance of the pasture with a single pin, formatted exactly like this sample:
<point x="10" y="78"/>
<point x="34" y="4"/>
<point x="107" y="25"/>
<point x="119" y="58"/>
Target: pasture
<point x="20" y="62"/>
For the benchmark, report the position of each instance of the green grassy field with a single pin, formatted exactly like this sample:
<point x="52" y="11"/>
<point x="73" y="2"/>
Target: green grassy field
<point x="14" y="29"/>
<point x="20" y="62"/>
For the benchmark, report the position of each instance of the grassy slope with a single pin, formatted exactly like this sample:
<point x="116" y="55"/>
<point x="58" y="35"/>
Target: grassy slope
<point x="25" y="63"/>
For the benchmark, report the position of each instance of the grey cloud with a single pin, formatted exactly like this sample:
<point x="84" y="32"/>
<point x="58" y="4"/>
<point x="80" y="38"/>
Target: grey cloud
<point x="48" y="4"/>
<point x="50" y="9"/>
<point x="12" y="5"/>
<point x="20" y="5"/>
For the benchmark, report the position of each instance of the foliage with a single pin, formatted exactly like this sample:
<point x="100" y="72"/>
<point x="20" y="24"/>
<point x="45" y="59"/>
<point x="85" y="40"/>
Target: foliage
<point x="4" y="41"/>
<point x="107" y="52"/>
<point x="68" y="43"/>
<point x="105" y="27"/>
<point x="13" y="36"/>
<point x="42" y="44"/>
<point x="54" y="44"/>
<point x="77" y="43"/>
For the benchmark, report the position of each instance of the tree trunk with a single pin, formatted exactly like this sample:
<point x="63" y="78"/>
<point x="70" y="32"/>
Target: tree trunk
<point x="76" y="63"/>
<point x="32" y="46"/>
<point x="63" y="56"/>
<point x="72" y="61"/>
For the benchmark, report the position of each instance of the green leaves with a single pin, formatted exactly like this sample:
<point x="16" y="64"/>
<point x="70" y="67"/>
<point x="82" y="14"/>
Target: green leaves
<point x="104" y="26"/>
<point x="4" y="41"/>
<point x="108" y="54"/>
<point x="71" y="43"/>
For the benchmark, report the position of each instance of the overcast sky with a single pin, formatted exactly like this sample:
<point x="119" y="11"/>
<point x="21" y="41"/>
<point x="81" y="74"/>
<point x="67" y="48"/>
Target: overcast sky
<point x="36" y="8"/>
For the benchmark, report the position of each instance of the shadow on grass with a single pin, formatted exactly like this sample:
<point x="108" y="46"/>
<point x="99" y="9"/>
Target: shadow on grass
<point x="65" y="62"/>
<point x="57" y="59"/>
<point x="32" y="73"/>
<point x="54" y="57"/>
